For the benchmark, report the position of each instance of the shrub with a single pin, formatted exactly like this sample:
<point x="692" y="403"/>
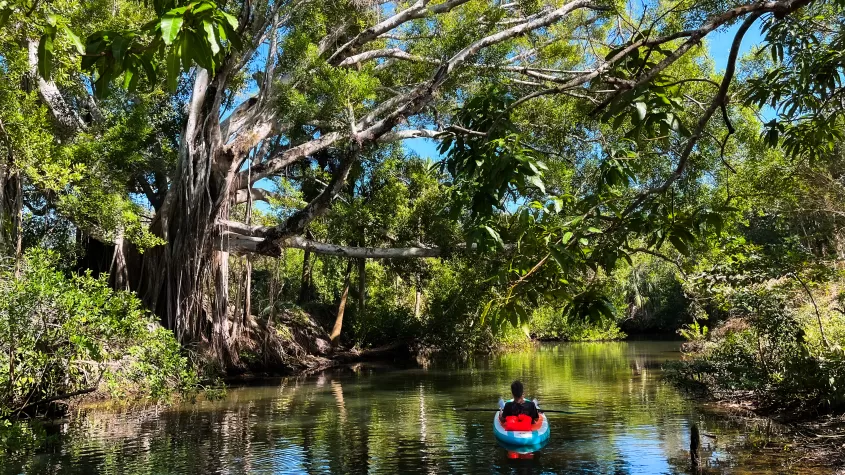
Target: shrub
<point x="550" y="324"/>
<point x="61" y="333"/>
<point x="774" y="355"/>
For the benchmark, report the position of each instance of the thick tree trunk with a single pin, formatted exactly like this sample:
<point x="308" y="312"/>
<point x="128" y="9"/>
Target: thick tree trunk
<point x="118" y="270"/>
<point x="341" y="308"/>
<point x="179" y="274"/>
<point x="11" y="204"/>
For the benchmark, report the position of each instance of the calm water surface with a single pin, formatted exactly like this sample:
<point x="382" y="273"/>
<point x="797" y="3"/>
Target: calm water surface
<point x="386" y="420"/>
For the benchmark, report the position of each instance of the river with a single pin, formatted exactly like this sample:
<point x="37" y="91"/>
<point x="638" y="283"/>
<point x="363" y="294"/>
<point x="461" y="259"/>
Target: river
<point x="382" y="419"/>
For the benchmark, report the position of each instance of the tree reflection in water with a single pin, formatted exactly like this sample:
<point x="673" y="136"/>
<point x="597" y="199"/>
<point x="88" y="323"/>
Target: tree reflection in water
<point x="380" y="419"/>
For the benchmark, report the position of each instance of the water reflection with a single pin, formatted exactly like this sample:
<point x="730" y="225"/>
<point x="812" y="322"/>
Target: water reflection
<point x="374" y="419"/>
<point x="522" y="451"/>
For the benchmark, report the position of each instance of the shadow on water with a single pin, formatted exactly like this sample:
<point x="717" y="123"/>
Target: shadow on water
<point x="376" y="419"/>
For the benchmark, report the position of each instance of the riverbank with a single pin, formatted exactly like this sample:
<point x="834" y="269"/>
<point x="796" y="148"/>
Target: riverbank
<point x="813" y="433"/>
<point x="810" y="441"/>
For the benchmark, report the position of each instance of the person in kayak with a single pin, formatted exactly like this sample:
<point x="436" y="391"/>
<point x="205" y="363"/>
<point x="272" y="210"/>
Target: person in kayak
<point x="517" y="412"/>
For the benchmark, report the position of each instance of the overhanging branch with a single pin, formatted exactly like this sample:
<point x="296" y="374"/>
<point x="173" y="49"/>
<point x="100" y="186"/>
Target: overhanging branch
<point x="239" y="243"/>
<point x="247" y="239"/>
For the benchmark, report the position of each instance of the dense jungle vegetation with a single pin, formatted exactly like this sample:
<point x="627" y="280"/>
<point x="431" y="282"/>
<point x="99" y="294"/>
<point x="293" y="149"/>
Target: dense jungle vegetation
<point x="194" y="188"/>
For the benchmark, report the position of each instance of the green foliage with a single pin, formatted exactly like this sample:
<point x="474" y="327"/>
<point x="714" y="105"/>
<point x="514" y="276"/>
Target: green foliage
<point x="455" y="298"/>
<point x="550" y="324"/>
<point x="490" y="165"/>
<point x="184" y="32"/>
<point x="694" y="331"/>
<point x="601" y="200"/>
<point x="770" y="351"/>
<point x="652" y="295"/>
<point x="62" y="334"/>
<point x="802" y="81"/>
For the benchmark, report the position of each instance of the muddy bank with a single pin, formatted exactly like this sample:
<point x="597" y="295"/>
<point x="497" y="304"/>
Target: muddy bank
<point x="803" y="440"/>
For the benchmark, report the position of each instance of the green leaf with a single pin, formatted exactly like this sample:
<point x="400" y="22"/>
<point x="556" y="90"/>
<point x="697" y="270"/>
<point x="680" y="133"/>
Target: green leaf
<point x="198" y="50"/>
<point x="567" y="236"/>
<point x="45" y="55"/>
<point x="679" y="244"/>
<point x="557" y="203"/>
<point x="75" y="39"/>
<point x="233" y="22"/>
<point x="641" y="109"/>
<point x="128" y="76"/>
<point x="202" y="7"/>
<point x="521" y="313"/>
<point x="486" y="311"/>
<point x="211" y="36"/>
<point x="149" y="68"/>
<point x="173" y="69"/>
<point x="170" y="26"/>
<point x="536" y="181"/>
<point x="101" y="85"/>
<point x="494" y="234"/>
<point x="118" y="48"/>
<point x="558" y="257"/>
<point x="226" y="32"/>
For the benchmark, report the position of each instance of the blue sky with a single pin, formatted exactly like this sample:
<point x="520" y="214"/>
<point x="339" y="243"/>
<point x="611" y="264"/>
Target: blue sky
<point x="719" y="43"/>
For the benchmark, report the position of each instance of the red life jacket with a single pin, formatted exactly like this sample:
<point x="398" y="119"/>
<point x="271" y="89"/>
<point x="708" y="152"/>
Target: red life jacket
<point x="520" y="422"/>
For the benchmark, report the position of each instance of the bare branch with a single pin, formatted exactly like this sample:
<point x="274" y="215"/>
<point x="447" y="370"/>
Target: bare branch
<point x="702" y="121"/>
<point x="395" y="53"/>
<point x="539" y="22"/>
<point x="300" y="220"/>
<point x="419" y="9"/>
<point x="288" y="157"/>
<point x="66" y="118"/>
<point x="694" y="38"/>
<point x="247" y="244"/>
<point x="410" y="134"/>
<point x="258" y="194"/>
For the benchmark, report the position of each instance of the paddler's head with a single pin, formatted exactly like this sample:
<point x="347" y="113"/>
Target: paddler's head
<point x="516" y="390"/>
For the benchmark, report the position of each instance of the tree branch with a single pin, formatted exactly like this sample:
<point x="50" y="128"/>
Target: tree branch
<point x="717" y="101"/>
<point x="234" y="242"/>
<point x="258" y="194"/>
<point x="419" y="9"/>
<point x="410" y="134"/>
<point x="243" y="238"/>
<point x="66" y="118"/>
<point x="297" y="222"/>
<point x="694" y="38"/>
<point x="384" y="53"/>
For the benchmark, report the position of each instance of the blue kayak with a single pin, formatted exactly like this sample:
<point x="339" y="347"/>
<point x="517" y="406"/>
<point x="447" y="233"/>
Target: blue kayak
<point x="538" y="434"/>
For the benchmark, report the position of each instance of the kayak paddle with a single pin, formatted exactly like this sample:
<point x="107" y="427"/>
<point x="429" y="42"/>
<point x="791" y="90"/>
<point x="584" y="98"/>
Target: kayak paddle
<point x="484" y="409"/>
